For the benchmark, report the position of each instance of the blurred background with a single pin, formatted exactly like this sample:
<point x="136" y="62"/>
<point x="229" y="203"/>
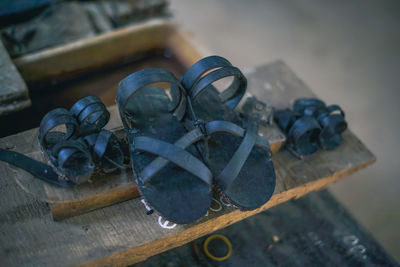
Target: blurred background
<point x="348" y="52"/>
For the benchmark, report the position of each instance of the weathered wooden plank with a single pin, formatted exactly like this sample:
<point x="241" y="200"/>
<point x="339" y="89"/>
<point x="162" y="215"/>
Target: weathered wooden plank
<point x="14" y="94"/>
<point x="113" y="188"/>
<point x="103" y="190"/>
<point x="315" y="230"/>
<point x="58" y="24"/>
<point x="93" y="53"/>
<point x="124" y="234"/>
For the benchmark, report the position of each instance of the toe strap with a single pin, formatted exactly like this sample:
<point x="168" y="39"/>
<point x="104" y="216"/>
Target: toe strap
<point x="172" y="153"/>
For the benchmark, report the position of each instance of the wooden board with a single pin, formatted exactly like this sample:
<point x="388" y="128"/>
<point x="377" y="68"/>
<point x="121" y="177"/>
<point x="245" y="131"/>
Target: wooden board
<point x="315" y="230"/>
<point x="14" y="94"/>
<point x="105" y="190"/>
<point x="124" y="234"/>
<point x="88" y="55"/>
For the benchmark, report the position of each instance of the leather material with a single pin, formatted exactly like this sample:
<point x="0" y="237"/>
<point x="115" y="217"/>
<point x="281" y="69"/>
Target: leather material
<point x="139" y="80"/>
<point x="302" y="132"/>
<point x="66" y="149"/>
<point x="331" y="119"/>
<point x="244" y="173"/>
<point x="197" y="79"/>
<point x="156" y="165"/>
<point x="166" y="164"/>
<point x="195" y="72"/>
<point x="107" y="150"/>
<point x="229" y="127"/>
<point x="172" y="153"/>
<point x="250" y="139"/>
<point x="74" y="160"/>
<point x="54" y="118"/>
<point x="71" y="157"/>
<point x="36" y="168"/>
<point x="232" y="169"/>
<point x="90" y="111"/>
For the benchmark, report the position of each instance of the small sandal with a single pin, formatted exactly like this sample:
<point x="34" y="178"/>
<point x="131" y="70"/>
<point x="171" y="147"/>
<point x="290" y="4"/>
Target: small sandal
<point x="331" y="119"/>
<point x="167" y="166"/>
<point x="71" y="157"/>
<point x="75" y="142"/>
<point x="92" y="115"/>
<point x="242" y="167"/>
<point x="302" y="132"/>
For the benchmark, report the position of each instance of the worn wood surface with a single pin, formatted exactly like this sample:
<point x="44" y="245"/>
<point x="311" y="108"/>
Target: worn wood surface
<point x="124" y="234"/>
<point x="14" y="94"/>
<point x="58" y="24"/>
<point x="65" y="21"/>
<point x="120" y="45"/>
<point x="108" y="189"/>
<point x="94" y="53"/>
<point x="103" y="190"/>
<point x="315" y="230"/>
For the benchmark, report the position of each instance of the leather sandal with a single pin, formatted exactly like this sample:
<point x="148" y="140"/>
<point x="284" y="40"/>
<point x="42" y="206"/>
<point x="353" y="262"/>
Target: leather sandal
<point x="239" y="159"/>
<point x="92" y="115"/>
<point x="70" y="156"/>
<point x="75" y="143"/>
<point x="331" y="119"/>
<point x="169" y="172"/>
<point x="302" y="132"/>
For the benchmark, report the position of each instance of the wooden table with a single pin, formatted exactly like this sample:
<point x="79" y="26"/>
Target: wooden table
<point x="315" y="230"/>
<point x="124" y="234"/>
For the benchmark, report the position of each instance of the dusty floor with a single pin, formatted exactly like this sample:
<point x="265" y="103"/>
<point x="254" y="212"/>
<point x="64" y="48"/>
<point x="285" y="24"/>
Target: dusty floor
<point x="348" y="52"/>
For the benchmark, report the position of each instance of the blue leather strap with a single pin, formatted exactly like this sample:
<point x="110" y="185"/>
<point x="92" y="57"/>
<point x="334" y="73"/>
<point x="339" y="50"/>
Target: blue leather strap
<point x="140" y="79"/>
<point x="107" y="151"/>
<point x="211" y="69"/>
<point x="173" y="153"/>
<point x="91" y="114"/>
<point x="54" y="118"/>
<point x="250" y="139"/>
<point x="38" y="169"/>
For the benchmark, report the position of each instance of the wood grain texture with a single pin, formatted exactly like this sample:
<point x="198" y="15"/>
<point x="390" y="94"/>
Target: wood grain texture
<point x="108" y="48"/>
<point x="89" y="54"/>
<point x="104" y="190"/>
<point x="124" y="234"/>
<point x="315" y="230"/>
<point x="14" y="94"/>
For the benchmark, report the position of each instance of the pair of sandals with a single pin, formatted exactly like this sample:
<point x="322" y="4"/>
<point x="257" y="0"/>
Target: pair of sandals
<point x="188" y="137"/>
<point x="312" y="125"/>
<point x="75" y="142"/>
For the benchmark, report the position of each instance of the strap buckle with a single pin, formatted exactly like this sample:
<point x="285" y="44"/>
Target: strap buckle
<point x="199" y="123"/>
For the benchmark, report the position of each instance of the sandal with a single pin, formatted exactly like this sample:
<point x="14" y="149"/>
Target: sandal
<point x="331" y="119"/>
<point x="302" y="132"/>
<point x="167" y="166"/>
<point x="239" y="159"/>
<point x="74" y="141"/>
<point x="71" y="157"/>
<point x="92" y="115"/>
